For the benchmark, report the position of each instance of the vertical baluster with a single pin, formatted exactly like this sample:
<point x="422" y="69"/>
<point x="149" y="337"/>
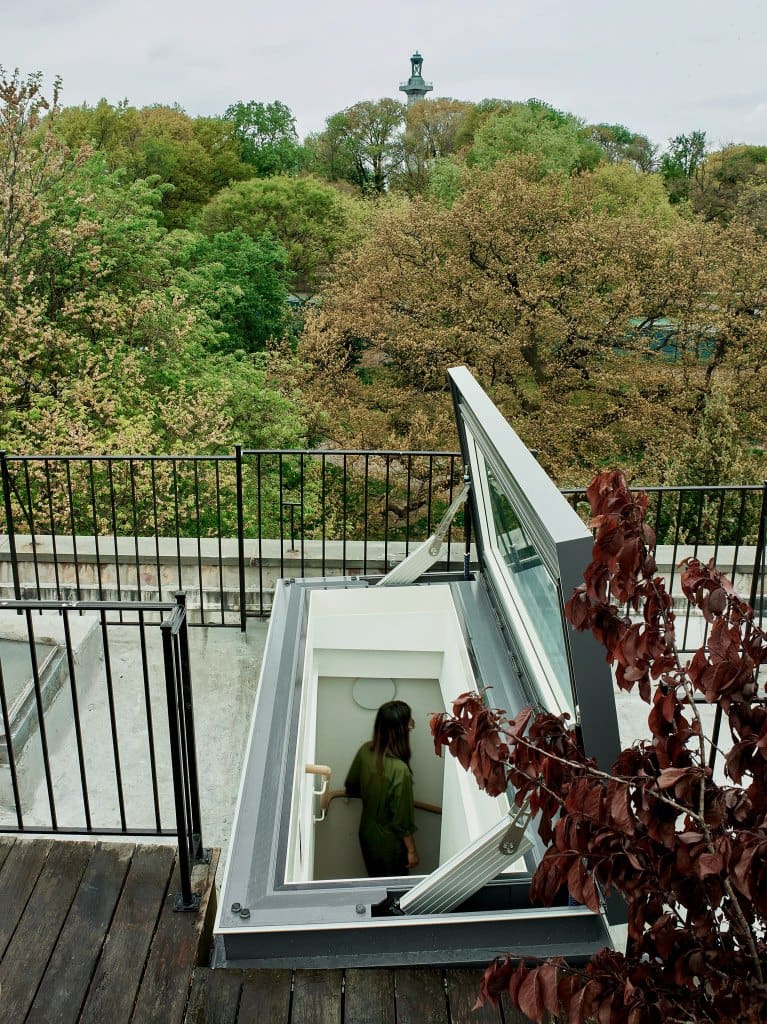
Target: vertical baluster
<point x="95" y="521"/>
<point x="32" y="529"/>
<point x="76" y="720"/>
<point x="112" y="718"/>
<point x="219" y="541"/>
<point x="73" y="527"/>
<point x="113" y="509"/>
<point x="9" y="750"/>
<point x="365" y="516"/>
<point x="52" y="521"/>
<point x="41" y="727"/>
<point x="196" y="465"/>
<point x="149" y="721"/>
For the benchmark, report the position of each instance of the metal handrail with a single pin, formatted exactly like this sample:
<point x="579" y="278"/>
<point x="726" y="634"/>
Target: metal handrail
<point x="146" y="516"/>
<point x="337" y="794"/>
<point x="181" y="734"/>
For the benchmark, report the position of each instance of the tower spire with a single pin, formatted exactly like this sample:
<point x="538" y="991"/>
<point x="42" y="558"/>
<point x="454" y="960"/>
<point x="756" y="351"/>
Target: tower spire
<point x="415" y="87"/>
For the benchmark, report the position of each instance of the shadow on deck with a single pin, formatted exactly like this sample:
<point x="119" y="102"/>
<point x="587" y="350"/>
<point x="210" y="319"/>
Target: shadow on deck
<point x="88" y="934"/>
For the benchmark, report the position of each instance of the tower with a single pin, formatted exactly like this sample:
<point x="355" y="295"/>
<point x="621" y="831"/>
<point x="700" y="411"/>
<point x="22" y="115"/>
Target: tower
<point x="415" y="87"/>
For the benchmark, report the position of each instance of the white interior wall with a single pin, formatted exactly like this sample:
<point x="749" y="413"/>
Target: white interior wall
<point x="342" y="726"/>
<point x="411" y="635"/>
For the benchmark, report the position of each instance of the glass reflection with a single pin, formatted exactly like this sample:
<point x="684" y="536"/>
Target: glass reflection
<point x="533" y="591"/>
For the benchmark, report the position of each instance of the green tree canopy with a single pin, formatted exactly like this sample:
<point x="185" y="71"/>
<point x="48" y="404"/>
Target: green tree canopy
<point x="620" y="189"/>
<point x="104" y="343"/>
<point x="534" y="283"/>
<point x="195" y="157"/>
<point x="238" y="280"/>
<point x="267" y="137"/>
<point x="726" y="177"/>
<point x="311" y="219"/>
<point x="619" y="143"/>
<point x="558" y="141"/>
<point x="680" y="163"/>
<point x="361" y="144"/>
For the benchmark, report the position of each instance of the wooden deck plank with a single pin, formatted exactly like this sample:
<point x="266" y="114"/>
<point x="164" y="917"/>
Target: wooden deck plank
<point x="215" y="997"/>
<point x="462" y="993"/>
<point x="6" y="845"/>
<point x="68" y="976"/>
<point x="317" y="997"/>
<point x="265" y="996"/>
<point x="420" y="996"/>
<point x="29" y="951"/>
<point x="118" y="973"/>
<point x="369" y="996"/>
<point x="175" y="951"/>
<point x="511" y="1014"/>
<point x="18" y="875"/>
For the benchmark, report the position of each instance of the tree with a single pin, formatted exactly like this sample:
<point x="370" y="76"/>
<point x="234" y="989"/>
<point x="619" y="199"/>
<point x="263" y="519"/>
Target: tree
<point x="431" y="132"/>
<point x="620" y="188"/>
<point x="685" y="852"/>
<point x="239" y="281"/>
<point x="311" y="219"/>
<point x="267" y="136"/>
<point x="193" y="157"/>
<point x="476" y="117"/>
<point x="361" y="144"/>
<point x="725" y="178"/>
<point x="331" y="153"/>
<point x="557" y="141"/>
<point x="619" y="143"/>
<point x="680" y="163"/>
<point x="534" y="284"/>
<point x="105" y="343"/>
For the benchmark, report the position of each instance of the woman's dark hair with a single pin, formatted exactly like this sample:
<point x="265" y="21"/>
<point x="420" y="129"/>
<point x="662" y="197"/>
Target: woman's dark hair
<point x="391" y="732"/>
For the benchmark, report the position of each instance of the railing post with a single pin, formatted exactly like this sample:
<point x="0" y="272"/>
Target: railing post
<point x="187" y="900"/>
<point x="754" y="592"/>
<point x="759" y="555"/>
<point x="200" y="857"/>
<point x="10" y="526"/>
<point x="240" y="536"/>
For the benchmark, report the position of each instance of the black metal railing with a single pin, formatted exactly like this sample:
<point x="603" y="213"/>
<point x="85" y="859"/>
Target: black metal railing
<point x="223" y="528"/>
<point x="726" y="524"/>
<point x="121" y="527"/>
<point x="89" y="731"/>
<point x="343" y="511"/>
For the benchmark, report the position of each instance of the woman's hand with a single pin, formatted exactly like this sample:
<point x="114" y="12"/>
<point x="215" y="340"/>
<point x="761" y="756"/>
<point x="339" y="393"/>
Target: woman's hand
<point x="413" y="860"/>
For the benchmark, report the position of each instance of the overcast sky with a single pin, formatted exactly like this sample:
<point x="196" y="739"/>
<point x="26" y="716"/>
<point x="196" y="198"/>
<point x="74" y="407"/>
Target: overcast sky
<point x="661" y="67"/>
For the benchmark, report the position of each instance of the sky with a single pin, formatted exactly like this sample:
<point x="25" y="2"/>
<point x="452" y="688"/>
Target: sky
<point x="660" y="68"/>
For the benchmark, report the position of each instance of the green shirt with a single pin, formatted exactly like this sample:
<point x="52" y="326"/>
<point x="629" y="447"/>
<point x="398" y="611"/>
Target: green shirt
<point x="387" y="810"/>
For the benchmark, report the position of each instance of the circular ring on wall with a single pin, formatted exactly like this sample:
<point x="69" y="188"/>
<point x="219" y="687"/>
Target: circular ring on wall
<point x="370" y="693"/>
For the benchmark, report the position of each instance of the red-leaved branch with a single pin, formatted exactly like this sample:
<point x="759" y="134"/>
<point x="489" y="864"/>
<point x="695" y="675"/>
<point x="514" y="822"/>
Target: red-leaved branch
<point x="688" y="854"/>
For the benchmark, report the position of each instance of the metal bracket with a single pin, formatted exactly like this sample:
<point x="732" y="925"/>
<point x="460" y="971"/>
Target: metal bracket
<point x="186" y="908"/>
<point x="515" y="835"/>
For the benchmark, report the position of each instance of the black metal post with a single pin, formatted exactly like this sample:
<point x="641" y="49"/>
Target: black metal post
<point x="191" y="746"/>
<point x="755" y="577"/>
<point x="759" y="554"/>
<point x="188" y="900"/>
<point x="293" y="505"/>
<point x="10" y="527"/>
<point x="240" y="536"/>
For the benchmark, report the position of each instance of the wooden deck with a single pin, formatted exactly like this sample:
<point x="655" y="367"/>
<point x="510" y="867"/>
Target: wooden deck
<point x="88" y="934"/>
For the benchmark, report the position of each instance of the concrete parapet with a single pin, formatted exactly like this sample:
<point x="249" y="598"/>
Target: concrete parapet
<point x="207" y="569"/>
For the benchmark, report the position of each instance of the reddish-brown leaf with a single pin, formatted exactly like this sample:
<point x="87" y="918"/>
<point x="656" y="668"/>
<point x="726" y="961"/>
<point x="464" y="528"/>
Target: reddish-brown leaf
<point x="530" y="996"/>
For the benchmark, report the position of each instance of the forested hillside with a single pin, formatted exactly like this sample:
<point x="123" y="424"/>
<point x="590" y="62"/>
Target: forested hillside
<point x="172" y="283"/>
